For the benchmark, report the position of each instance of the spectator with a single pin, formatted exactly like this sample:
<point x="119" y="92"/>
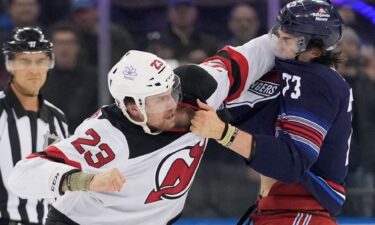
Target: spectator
<point x="160" y="45"/>
<point x="350" y="46"/>
<point x="359" y="24"/>
<point x="21" y="13"/>
<point x="54" y="11"/>
<point x="85" y="15"/>
<point x="188" y="44"/>
<point x="347" y="15"/>
<point x="243" y="25"/>
<point x="72" y="84"/>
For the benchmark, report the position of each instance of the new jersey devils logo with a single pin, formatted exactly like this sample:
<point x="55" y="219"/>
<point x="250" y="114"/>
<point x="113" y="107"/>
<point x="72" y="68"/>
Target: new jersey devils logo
<point x="175" y="173"/>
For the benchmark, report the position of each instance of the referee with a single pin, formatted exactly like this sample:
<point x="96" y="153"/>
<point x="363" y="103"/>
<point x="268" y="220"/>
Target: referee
<point x="28" y="123"/>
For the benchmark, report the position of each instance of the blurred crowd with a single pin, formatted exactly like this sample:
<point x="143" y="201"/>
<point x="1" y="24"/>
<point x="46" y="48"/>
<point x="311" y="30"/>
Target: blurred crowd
<point x="184" y="31"/>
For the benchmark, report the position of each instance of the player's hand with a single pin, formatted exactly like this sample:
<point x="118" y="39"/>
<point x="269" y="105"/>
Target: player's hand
<point x="109" y="181"/>
<point x="206" y="123"/>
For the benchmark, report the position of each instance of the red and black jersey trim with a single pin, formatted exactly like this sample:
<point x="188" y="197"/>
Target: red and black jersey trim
<point x="238" y="69"/>
<point x="56" y="155"/>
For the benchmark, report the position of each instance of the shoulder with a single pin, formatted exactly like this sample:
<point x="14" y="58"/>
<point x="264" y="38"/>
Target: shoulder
<point x="332" y="80"/>
<point x="102" y="123"/>
<point x="58" y="113"/>
<point x="257" y="47"/>
<point x="315" y="76"/>
<point x="106" y="117"/>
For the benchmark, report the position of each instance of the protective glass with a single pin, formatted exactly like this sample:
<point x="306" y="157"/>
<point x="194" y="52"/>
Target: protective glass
<point x="30" y="61"/>
<point x="284" y="45"/>
<point x="165" y="101"/>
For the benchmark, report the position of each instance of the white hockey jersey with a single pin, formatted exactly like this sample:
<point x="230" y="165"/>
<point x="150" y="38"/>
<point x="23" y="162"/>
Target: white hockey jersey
<point x="159" y="170"/>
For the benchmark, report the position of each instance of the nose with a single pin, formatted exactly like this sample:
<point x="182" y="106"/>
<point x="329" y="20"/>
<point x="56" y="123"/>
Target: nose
<point x="33" y="68"/>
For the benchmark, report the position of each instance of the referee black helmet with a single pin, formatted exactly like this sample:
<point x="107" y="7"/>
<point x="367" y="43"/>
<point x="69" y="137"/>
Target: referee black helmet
<point x="27" y="40"/>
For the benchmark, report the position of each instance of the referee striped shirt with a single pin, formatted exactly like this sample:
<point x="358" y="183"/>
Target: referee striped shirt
<point x="22" y="133"/>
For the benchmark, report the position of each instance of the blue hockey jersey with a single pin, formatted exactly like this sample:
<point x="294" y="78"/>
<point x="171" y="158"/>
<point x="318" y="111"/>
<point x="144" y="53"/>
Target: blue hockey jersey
<point x="303" y="129"/>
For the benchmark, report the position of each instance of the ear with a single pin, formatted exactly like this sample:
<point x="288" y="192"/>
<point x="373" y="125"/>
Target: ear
<point x="316" y="53"/>
<point x="132" y="108"/>
<point x="133" y="111"/>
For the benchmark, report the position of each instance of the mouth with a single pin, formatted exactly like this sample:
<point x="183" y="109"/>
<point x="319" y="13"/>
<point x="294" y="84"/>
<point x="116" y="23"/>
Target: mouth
<point x="34" y="78"/>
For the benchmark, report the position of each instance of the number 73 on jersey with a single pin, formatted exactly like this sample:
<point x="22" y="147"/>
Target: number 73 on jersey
<point x="295" y="81"/>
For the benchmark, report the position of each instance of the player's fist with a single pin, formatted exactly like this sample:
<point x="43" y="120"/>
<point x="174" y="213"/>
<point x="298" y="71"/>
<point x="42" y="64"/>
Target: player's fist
<point x="109" y="181"/>
<point x="206" y="123"/>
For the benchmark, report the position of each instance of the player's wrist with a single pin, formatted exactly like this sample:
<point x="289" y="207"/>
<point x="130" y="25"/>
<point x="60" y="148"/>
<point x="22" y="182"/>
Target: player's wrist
<point x="63" y="187"/>
<point x="78" y="181"/>
<point x="229" y="134"/>
<point x="222" y="131"/>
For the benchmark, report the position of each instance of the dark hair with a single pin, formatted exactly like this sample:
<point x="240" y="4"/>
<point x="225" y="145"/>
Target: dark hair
<point x="129" y="100"/>
<point x="328" y="58"/>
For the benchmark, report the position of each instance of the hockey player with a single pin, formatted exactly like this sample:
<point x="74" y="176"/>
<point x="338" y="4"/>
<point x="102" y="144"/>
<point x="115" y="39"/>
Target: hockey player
<point x="130" y="142"/>
<point x="298" y="142"/>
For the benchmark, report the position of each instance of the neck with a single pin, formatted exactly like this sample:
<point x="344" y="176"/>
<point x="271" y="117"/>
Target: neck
<point x="28" y="102"/>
